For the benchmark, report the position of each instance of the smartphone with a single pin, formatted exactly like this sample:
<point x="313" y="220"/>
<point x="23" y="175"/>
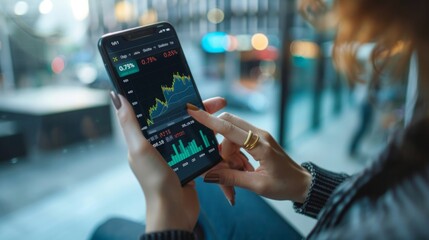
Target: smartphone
<point x="148" y="67"/>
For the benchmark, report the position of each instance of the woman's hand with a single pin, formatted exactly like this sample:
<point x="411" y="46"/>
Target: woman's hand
<point x="277" y="177"/>
<point x="169" y="205"/>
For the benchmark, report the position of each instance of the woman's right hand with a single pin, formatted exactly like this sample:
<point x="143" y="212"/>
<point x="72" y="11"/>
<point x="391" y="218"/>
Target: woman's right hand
<point x="277" y="177"/>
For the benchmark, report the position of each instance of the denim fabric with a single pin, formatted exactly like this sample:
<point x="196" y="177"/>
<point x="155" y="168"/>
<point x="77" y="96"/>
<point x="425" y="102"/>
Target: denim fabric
<point x="250" y="218"/>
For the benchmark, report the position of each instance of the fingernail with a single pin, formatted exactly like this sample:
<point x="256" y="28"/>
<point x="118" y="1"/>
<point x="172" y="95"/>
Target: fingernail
<point x="231" y="202"/>
<point x="211" y="178"/>
<point x="191" y="184"/>
<point x="220" y="147"/>
<point x="116" y="100"/>
<point x="192" y="107"/>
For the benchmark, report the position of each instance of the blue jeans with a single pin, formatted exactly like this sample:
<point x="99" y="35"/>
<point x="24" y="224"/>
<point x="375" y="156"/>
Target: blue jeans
<point x="250" y="218"/>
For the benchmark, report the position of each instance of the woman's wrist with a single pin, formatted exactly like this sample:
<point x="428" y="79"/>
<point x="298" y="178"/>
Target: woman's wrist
<point x="306" y="180"/>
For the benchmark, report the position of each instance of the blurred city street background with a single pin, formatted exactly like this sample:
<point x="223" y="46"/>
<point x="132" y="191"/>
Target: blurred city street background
<point x="63" y="159"/>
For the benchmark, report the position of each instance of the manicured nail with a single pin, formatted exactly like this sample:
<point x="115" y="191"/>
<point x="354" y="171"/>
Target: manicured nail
<point x="191" y="184"/>
<point x="211" y="178"/>
<point x="192" y="107"/>
<point x="232" y="200"/>
<point x="116" y="100"/>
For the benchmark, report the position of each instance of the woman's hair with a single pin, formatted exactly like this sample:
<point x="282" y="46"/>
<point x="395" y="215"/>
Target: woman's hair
<point x="395" y="27"/>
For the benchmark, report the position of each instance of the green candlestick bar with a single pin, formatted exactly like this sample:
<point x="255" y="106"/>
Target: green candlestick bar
<point x="205" y="139"/>
<point x="184" y="152"/>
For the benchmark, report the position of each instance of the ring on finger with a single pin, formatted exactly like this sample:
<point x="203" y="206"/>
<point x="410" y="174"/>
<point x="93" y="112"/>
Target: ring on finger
<point x="251" y="141"/>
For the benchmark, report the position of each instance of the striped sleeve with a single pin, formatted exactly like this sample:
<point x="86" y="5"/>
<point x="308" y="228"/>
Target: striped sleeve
<point x="169" y="234"/>
<point x="322" y="185"/>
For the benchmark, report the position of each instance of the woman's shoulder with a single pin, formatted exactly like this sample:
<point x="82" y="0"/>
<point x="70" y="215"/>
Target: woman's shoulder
<point x="408" y="152"/>
<point x="399" y="213"/>
<point x="405" y="156"/>
<point x="390" y="198"/>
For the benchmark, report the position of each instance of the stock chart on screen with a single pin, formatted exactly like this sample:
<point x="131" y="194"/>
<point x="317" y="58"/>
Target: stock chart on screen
<point x="158" y="84"/>
<point x="174" y="96"/>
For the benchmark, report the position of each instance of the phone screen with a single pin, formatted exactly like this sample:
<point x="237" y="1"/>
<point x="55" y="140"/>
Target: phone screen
<point x="148" y="67"/>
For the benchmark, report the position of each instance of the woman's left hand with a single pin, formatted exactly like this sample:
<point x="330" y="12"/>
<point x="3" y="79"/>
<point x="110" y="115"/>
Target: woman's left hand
<point x="169" y="205"/>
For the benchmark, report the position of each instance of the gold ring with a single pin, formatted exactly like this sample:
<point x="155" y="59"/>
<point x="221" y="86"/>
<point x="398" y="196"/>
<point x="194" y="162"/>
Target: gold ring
<point x="252" y="145"/>
<point x="251" y="141"/>
<point x="249" y="136"/>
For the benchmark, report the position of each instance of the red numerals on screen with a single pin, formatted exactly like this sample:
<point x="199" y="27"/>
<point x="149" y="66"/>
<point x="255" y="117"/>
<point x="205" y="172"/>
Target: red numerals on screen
<point x="170" y="53"/>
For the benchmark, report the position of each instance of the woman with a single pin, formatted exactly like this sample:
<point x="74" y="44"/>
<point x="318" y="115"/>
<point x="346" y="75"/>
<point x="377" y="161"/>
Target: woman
<point x="387" y="200"/>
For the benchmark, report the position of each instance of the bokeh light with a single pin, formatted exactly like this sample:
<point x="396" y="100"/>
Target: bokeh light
<point x="45" y="6"/>
<point x="304" y="49"/>
<point x="151" y="16"/>
<point x="244" y="42"/>
<point x="124" y="11"/>
<point x="57" y="65"/>
<point x="259" y="41"/>
<point x="232" y="43"/>
<point x="21" y="8"/>
<point x="215" y="15"/>
<point x="80" y="9"/>
<point x="86" y="73"/>
<point x="215" y="42"/>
